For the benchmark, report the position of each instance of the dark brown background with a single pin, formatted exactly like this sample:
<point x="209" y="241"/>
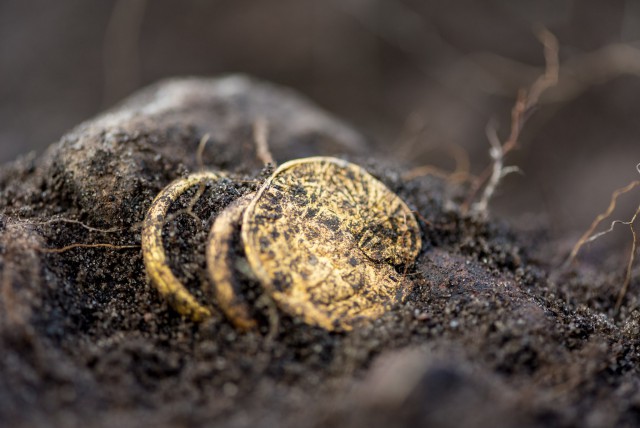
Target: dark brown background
<point x="374" y="63"/>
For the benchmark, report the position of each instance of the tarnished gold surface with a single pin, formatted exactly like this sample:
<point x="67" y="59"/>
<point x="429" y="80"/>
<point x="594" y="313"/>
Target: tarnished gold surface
<point x="323" y="237"/>
<point x="222" y="263"/>
<point x="155" y="259"/>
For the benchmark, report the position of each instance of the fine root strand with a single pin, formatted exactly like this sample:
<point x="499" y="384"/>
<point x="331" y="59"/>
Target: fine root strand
<point x="526" y="102"/>
<point x="589" y="236"/>
<point x="70" y="221"/>
<point x="632" y="255"/>
<point x="200" y="151"/>
<point x="498" y="170"/>
<point x="261" y="139"/>
<point x="72" y="246"/>
<point x="273" y="316"/>
<point x="460" y="174"/>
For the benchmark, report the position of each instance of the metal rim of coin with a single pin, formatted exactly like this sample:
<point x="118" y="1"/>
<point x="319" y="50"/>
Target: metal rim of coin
<point x="323" y="236"/>
<point x="153" y="252"/>
<point x="220" y="264"/>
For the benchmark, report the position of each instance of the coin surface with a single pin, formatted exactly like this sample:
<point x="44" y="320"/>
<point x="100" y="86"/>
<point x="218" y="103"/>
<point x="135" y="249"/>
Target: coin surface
<point x="326" y="239"/>
<point x="224" y="265"/>
<point x="154" y="255"/>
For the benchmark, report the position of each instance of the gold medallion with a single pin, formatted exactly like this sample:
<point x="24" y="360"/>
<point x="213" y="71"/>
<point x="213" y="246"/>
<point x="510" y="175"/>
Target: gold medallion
<point x="326" y="239"/>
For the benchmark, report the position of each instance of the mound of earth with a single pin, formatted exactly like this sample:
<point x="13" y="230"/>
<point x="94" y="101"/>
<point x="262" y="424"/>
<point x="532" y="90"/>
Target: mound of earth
<point x="490" y="334"/>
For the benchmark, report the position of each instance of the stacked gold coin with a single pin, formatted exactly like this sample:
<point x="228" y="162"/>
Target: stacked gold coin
<point x="324" y="238"/>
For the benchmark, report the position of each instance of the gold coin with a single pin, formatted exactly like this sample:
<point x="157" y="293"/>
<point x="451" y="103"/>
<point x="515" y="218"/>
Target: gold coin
<point x="324" y="238"/>
<point x="224" y="264"/>
<point x="155" y="258"/>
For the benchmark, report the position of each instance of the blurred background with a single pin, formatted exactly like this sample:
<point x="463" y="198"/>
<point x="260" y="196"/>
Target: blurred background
<point x="416" y="76"/>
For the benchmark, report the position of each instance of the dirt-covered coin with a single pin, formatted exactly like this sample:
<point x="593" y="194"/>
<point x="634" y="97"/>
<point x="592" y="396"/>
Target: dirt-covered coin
<point x="225" y="266"/>
<point x="153" y="251"/>
<point x="327" y="241"/>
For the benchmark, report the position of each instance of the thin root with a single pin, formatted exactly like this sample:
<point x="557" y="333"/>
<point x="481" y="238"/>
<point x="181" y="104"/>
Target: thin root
<point x="200" y="152"/>
<point x="588" y="236"/>
<point x="77" y="245"/>
<point x="260" y="136"/>
<point x="526" y="102"/>
<point x="632" y="255"/>
<point x="460" y="174"/>
<point x="273" y="316"/>
<point x="192" y="203"/>
<point x="420" y="216"/>
<point x="66" y="220"/>
<point x="72" y="246"/>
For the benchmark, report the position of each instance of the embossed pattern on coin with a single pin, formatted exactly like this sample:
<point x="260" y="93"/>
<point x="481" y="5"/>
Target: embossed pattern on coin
<point x="325" y="237"/>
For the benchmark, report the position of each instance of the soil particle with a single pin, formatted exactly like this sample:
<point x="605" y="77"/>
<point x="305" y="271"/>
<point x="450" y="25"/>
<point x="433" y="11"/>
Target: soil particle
<point x="490" y="335"/>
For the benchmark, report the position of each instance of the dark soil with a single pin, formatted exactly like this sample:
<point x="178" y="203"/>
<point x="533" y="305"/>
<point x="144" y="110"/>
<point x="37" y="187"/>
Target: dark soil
<point x="493" y="334"/>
